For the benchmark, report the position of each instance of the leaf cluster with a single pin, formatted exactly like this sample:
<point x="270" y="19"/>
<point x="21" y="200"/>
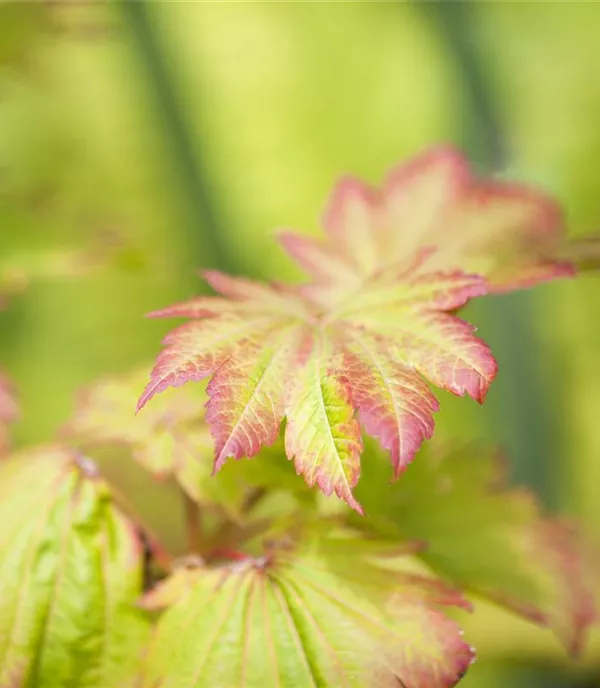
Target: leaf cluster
<point x="282" y="585"/>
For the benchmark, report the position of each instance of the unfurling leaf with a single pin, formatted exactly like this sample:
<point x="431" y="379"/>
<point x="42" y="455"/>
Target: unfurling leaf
<point x="491" y="539"/>
<point x="304" y="618"/>
<point x="171" y="439"/>
<point x="71" y="571"/>
<point x="9" y="410"/>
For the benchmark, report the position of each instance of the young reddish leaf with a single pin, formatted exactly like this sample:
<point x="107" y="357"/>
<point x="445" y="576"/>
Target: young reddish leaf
<point x="366" y="355"/>
<point x="492" y="540"/>
<point x="304" y="618"/>
<point x="171" y="438"/>
<point x="393" y="268"/>
<point x="358" y="341"/>
<point x="9" y="410"/>
<point x="71" y="566"/>
<point x="511" y="234"/>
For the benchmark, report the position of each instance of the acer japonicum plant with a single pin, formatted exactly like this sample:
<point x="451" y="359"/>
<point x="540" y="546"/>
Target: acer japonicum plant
<point x="283" y="586"/>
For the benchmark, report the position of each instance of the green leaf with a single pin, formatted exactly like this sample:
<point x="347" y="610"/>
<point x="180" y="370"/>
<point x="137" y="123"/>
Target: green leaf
<point x="71" y="570"/>
<point x="304" y="618"/>
<point x="488" y="538"/>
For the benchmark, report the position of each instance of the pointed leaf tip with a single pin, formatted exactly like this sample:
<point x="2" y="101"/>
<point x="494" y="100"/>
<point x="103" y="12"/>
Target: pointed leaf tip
<point x="246" y="396"/>
<point x="322" y="436"/>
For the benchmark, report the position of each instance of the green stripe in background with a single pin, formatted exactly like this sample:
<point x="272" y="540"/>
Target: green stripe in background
<point x="518" y="412"/>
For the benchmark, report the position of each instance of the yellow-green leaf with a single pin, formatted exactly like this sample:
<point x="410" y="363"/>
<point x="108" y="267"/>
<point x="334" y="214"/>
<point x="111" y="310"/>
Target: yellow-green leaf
<point x="304" y="618"/>
<point x="490" y="539"/>
<point x="71" y="570"/>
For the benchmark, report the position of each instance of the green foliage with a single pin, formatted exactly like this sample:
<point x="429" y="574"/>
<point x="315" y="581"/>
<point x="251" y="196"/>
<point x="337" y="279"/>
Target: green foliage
<point x="489" y="538"/>
<point x="282" y="586"/>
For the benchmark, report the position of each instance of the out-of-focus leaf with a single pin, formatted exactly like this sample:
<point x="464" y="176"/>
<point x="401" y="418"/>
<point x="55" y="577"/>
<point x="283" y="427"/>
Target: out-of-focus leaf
<point x="491" y="539"/>
<point x="304" y="618"/>
<point x="509" y="233"/>
<point x="71" y="570"/>
<point x="9" y="410"/>
<point x="171" y="439"/>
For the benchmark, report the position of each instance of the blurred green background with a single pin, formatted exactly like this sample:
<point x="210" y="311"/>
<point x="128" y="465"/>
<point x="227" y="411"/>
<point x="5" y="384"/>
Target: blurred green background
<point x="140" y="142"/>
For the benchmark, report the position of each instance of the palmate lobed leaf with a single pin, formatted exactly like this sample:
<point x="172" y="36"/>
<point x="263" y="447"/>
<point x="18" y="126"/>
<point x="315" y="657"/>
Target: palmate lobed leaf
<point x="268" y="365"/>
<point x="376" y="323"/>
<point x="9" y="410"/>
<point x="303" y="617"/>
<point x="500" y="547"/>
<point x="511" y="234"/>
<point x="71" y="571"/>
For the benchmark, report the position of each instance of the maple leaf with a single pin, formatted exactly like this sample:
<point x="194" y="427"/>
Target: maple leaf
<point x="511" y="234"/>
<point x="71" y="566"/>
<point x="273" y="353"/>
<point x="9" y="410"/>
<point x="304" y="617"/>
<point x="356" y="345"/>
<point x="500" y="547"/>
